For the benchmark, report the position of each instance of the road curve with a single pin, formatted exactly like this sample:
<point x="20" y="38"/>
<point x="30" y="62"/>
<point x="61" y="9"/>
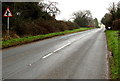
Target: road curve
<point x="79" y="55"/>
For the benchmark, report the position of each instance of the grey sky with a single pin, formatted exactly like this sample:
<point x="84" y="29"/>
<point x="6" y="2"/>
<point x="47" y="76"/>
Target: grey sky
<point x="97" y="7"/>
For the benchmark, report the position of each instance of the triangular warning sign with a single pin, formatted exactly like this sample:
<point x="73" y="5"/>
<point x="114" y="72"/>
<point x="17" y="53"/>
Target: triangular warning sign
<point x="7" y="13"/>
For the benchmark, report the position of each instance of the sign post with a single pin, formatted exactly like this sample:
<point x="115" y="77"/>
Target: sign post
<point x="8" y="14"/>
<point x="8" y="25"/>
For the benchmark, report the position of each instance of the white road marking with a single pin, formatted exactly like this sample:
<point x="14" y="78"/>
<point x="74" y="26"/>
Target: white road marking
<point x="55" y="51"/>
<point x="63" y="46"/>
<point x="47" y="55"/>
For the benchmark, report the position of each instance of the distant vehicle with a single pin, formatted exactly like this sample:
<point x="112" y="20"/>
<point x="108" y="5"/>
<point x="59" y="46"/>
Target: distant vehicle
<point x="109" y="28"/>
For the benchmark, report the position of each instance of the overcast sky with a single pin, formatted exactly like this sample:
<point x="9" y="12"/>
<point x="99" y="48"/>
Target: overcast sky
<point x="97" y="7"/>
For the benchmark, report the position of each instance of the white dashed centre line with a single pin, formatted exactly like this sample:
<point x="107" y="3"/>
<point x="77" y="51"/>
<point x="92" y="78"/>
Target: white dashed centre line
<point x="63" y="47"/>
<point x="55" y="51"/>
<point x="47" y="55"/>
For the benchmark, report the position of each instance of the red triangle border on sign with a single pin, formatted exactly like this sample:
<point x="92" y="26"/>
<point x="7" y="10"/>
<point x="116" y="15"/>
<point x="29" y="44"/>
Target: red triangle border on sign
<point x="10" y="13"/>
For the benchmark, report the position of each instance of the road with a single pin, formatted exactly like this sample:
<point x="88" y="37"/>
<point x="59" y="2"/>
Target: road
<point x="79" y="55"/>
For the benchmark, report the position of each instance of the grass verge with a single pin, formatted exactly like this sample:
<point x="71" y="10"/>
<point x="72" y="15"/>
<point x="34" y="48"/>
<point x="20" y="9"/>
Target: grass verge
<point x="113" y="43"/>
<point x="19" y="41"/>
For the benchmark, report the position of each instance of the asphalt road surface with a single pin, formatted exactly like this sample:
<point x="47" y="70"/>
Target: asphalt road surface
<point x="79" y="55"/>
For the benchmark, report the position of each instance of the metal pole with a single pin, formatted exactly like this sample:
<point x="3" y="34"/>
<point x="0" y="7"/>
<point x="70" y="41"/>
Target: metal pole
<point x="8" y="25"/>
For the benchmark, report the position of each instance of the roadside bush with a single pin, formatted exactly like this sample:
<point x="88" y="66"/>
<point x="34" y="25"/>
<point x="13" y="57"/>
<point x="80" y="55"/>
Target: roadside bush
<point x="39" y="27"/>
<point x="26" y="23"/>
<point x="116" y="25"/>
<point x="12" y="35"/>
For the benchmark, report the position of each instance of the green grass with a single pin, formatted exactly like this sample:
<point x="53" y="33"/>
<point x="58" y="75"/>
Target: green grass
<point x="112" y="39"/>
<point x="19" y="41"/>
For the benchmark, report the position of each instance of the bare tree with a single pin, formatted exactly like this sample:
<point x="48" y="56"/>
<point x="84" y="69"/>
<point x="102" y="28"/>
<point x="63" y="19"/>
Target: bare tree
<point x="51" y="8"/>
<point x="83" y="18"/>
<point x="118" y="5"/>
